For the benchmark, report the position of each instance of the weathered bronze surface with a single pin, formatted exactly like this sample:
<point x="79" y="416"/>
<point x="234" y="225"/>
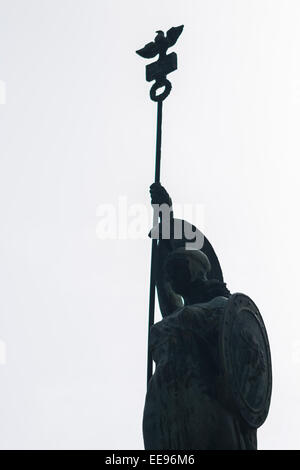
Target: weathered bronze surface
<point x="211" y="388"/>
<point x="246" y="359"/>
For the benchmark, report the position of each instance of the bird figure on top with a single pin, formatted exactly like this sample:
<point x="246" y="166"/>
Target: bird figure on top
<point x="161" y="43"/>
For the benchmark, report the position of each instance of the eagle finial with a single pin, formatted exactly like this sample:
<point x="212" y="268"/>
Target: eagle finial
<point x="161" y="43"/>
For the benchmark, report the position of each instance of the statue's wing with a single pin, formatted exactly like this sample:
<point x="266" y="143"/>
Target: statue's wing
<point x="148" y="51"/>
<point x="173" y="34"/>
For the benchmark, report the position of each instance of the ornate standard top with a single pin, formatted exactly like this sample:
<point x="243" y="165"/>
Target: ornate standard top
<point x="164" y="65"/>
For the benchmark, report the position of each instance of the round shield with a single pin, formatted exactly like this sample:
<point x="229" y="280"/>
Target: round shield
<point x="246" y="360"/>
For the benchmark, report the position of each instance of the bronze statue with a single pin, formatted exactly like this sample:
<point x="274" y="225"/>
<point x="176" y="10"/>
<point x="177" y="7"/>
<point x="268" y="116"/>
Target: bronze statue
<point x="211" y="388"/>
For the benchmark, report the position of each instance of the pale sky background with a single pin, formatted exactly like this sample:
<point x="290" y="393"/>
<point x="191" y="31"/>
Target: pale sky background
<point x="78" y="131"/>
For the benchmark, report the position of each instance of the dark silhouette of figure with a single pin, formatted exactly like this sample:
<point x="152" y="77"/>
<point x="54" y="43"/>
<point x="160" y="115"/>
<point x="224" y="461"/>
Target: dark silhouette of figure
<point x="189" y="403"/>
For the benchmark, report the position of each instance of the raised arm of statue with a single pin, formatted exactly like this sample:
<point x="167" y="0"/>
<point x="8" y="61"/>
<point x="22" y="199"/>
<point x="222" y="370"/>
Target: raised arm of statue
<point x="162" y="203"/>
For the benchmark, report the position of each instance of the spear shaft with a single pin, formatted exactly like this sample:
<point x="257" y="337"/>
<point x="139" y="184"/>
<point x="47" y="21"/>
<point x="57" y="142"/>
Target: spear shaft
<point x="154" y="250"/>
<point x="158" y="141"/>
<point x="158" y="71"/>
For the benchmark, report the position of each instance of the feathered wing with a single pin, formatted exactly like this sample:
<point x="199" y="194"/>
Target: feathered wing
<point x="173" y="34"/>
<point x="148" y="51"/>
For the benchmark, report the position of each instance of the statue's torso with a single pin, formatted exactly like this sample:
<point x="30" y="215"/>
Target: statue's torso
<point x="186" y="342"/>
<point x="184" y="405"/>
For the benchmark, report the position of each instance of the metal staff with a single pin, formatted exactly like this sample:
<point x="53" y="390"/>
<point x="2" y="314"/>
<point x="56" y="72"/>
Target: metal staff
<point x="158" y="71"/>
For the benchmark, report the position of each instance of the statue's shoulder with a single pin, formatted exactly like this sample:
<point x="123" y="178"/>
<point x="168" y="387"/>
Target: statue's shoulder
<point x="193" y="316"/>
<point x="217" y="302"/>
<point x="216" y="305"/>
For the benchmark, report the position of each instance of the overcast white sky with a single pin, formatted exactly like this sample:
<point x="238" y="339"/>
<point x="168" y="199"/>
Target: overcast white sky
<point x="78" y="131"/>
